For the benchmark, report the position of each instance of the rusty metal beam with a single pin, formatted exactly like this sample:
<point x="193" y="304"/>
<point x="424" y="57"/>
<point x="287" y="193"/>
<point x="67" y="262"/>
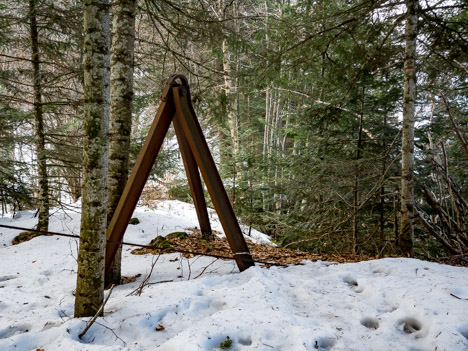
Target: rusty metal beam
<point x="144" y="163"/>
<point x="196" y="154"/>
<point x="193" y="176"/>
<point x="201" y="152"/>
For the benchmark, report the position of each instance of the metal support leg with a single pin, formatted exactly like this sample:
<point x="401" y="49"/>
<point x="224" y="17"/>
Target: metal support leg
<point x="194" y="180"/>
<point x="205" y="162"/>
<point x="138" y="177"/>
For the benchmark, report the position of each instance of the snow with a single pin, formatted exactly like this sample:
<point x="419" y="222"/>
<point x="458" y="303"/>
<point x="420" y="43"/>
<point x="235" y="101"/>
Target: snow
<point x="386" y="304"/>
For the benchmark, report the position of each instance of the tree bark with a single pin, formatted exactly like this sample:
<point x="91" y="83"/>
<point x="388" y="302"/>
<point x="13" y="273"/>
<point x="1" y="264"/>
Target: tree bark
<point x="90" y="280"/>
<point x="228" y="90"/>
<point x="357" y="171"/>
<point x="43" y="201"/>
<point x="406" y="235"/>
<point x="382" y="190"/>
<point x="121" y="101"/>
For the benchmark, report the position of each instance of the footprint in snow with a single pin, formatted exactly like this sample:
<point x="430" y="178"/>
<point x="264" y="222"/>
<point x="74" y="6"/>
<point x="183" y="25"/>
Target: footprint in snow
<point x="247" y="341"/>
<point x="378" y="269"/>
<point x="353" y="283"/>
<point x="370" y="323"/>
<point x="7" y="277"/>
<point x="325" y="343"/>
<point x="463" y="330"/>
<point x="10" y="331"/>
<point x="410" y="325"/>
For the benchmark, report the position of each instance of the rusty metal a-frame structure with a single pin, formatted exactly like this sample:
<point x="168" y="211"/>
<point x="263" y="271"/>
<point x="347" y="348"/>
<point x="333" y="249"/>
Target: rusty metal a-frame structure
<point x="176" y="107"/>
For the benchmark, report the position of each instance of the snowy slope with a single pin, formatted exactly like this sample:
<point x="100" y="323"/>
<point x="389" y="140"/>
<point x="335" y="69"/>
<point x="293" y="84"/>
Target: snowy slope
<point x="388" y="304"/>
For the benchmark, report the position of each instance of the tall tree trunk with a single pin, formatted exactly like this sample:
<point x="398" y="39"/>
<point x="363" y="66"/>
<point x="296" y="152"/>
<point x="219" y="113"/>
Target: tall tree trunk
<point x="43" y="220"/>
<point x="357" y="171"/>
<point x="382" y="190"/>
<point x="406" y="235"/>
<point x="90" y="279"/>
<point x="230" y="107"/>
<point x="121" y="99"/>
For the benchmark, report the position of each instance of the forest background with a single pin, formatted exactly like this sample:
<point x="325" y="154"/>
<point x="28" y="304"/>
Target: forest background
<point x="302" y="101"/>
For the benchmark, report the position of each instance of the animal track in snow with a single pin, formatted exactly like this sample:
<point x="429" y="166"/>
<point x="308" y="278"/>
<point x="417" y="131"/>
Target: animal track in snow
<point x="10" y="331"/>
<point x="353" y="283"/>
<point x="370" y="323"/>
<point x="350" y="280"/>
<point x="325" y="343"/>
<point x="7" y="277"/>
<point x="378" y="269"/>
<point x="388" y="307"/>
<point x="247" y="341"/>
<point x="410" y="325"/>
<point x="463" y="330"/>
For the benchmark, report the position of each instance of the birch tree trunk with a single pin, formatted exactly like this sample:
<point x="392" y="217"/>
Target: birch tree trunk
<point x="228" y="89"/>
<point x="406" y="235"/>
<point x="43" y="215"/>
<point x="90" y="280"/>
<point x="121" y="99"/>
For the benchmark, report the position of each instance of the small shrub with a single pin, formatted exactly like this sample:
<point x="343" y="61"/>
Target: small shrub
<point x="226" y="344"/>
<point x="134" y="221"/>
<point x="161" y="243"/>
<point x="177" y="235"/>
<point x="24" y="236"/>
<point x="180" y="192"/>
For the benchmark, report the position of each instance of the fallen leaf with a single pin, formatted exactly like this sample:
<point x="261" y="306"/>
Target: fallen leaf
<point x="160" y="327"/>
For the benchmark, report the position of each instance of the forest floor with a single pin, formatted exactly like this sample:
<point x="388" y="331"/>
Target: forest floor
<point x="266" y="254"/>
<point x="218" y="246"/>
<point x="184" y="301"/>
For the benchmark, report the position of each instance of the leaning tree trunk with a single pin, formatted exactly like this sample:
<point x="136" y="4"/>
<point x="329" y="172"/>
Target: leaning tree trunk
<point x="90" y="281"/>
<point x="43" y="215"/>
<point x="121" y="98"/>
<point x="406" y="235"/>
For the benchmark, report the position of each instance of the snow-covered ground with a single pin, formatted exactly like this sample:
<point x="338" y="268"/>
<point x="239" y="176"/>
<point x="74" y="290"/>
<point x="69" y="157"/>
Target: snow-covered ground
<point x="387" y="304"/>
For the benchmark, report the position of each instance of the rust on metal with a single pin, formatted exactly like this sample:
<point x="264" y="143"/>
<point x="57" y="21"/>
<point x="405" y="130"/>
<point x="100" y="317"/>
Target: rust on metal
<point x="176" y="107"/>
<point x="144" y="163"/>
<point x="194" y="180"/>
<point x="213" y="182"/>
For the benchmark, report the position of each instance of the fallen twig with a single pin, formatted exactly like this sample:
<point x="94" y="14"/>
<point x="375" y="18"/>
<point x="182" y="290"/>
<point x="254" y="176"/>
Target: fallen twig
<point x="204" y="269"/>
<point x="144" y="283"/>
<point x="98" y="313"/>
<point x="457" y="297"/>
<point x="113" y="332"/>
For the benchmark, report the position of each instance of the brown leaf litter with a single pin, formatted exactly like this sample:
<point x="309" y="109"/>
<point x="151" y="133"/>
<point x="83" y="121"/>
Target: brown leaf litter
<point x="196" y="245"/>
